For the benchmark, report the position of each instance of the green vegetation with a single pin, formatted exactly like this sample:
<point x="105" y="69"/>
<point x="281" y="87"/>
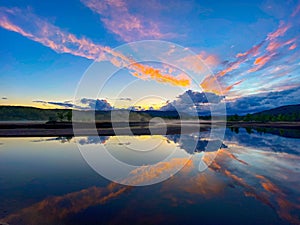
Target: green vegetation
<point x="285" y="113"/>
<point x="265" y="117"/>
<point x="19" y="113"/>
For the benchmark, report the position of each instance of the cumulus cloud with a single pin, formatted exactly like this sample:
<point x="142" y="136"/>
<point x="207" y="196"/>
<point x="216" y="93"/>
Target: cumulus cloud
<point x="96" y="104"/>
<point x="192" y="144"/>
<point x="190" y="101"/>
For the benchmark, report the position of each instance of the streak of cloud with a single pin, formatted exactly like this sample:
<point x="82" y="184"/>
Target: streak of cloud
<point x="258" y="57"/>
<point x="117" y="19"/>
<point x="282" y="29"/>
<point x="296" y="11"/>
<point x="31" y="26"/>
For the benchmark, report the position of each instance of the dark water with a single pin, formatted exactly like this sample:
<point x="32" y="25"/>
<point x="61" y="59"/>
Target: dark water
<point x="251" y="178"/>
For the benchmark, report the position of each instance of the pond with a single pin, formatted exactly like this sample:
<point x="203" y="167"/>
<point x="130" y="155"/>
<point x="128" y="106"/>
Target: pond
<point x="250" y="177"/>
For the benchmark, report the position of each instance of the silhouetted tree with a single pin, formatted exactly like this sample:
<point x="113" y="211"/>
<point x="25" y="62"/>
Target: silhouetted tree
<point x="61" y="116"/>
<point x="69" y="115"/>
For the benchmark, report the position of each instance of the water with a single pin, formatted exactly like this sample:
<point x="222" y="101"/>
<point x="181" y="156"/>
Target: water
<point x="252" y="179"/>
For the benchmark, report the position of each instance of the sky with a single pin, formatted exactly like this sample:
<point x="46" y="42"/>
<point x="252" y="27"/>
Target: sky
<point x="251" y="49"/>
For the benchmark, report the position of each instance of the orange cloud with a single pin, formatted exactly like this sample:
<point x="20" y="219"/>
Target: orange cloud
<point x="144" y="71"/>
<point x="242" y="57"/>
<point x="54" y="208"/>
<point x="210" y="84"/>
<point x="146" y="174"/>
<point x="252" y="51"/>
<point x="292" y="47"/>
<point x="63" y="42"/>
<point x="228" y="88"/>
<point x="231" y="67"/>
<point x="260" y="62"/>
<point x="200" y="62"/>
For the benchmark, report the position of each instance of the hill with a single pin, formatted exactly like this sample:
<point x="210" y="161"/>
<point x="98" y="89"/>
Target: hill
<point x="282" y="113"/>
<point x="23" y="113"/>
<point x="283" y="110"/>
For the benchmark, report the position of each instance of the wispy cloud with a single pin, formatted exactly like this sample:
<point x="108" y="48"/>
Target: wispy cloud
<point x="296" y="11"/>
<point x="257" y="58"/>
<point x="41" y="31"/>
<point x="193" y="62"/>
<point x="116" y="17"/>
<point x="65" y="104"/>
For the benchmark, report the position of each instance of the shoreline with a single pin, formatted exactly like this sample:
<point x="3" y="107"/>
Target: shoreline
<point x="34" y="129"/>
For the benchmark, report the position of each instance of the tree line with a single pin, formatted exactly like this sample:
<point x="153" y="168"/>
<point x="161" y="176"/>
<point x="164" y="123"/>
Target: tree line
<point x="262" y="117"/>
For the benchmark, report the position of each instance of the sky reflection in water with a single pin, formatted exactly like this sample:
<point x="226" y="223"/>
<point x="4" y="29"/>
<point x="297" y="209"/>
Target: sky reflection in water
<point x="253" y="178"/>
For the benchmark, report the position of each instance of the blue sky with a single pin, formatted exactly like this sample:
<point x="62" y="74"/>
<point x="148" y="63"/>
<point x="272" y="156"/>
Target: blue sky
<point x="46" y="46"/>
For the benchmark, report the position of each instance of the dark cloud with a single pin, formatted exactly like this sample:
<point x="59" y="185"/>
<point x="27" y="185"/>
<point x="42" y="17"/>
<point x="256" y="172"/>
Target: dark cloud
<point x="121" y="99"/>
<point x="265" y="101"/>
<point x="85" y="104"/>
<point x="93" y="140"/>
<point x="125" y="99"/>
<point x="191" y="100"/>
<point x="136" y="108"/>
<point x="65" y="104"/>
<point x="4" y="98"/>
<point x="199" y="102"/>
<point x="192" y="144"/>
<point x="96" y="104"/>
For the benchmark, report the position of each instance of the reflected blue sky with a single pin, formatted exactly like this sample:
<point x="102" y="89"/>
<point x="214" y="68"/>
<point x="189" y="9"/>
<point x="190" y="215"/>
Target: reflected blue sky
<point x="253" y="177"/>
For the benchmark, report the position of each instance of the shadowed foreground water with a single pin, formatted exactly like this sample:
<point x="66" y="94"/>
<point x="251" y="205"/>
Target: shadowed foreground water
<point x="253" y="179"/>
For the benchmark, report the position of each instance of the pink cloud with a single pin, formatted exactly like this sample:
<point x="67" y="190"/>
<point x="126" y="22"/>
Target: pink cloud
<point x="282" y="29"/>
<point x="199" y="62"/>
<point x="296" y="11"/>
<point x="41" y="31"/>
<point x="292" y="47"/>
<point x="117" y="18"/>
<point x="261" y="61"/>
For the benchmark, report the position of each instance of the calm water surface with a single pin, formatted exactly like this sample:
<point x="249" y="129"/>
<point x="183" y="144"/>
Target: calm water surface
<point x="253" y="179"/>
